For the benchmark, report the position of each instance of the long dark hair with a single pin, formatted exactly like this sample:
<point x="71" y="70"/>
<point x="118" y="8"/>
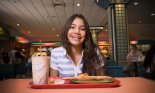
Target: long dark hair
<point x="149" y="56"/>
<point x="90" y="60"/>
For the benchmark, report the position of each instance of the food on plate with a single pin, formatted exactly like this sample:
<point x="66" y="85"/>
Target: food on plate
<point x="51" y="80"/>
<point x="82" y="78"/>
<point x="86" y="77"/>
<point x="59" y="81"/>
<point x="55" y="81"/>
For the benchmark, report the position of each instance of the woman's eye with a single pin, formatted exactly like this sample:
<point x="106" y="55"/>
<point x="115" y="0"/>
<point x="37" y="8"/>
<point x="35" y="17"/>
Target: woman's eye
<point x="72" y="27"/>
<point x="80" y="28"/>
<point x="83" y="29"/>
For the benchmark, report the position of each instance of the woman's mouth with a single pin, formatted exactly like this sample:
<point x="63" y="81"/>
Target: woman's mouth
<point x="75" y="37"/>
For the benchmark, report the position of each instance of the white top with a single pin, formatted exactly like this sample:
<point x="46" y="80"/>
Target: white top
<point x="134" y="56"/>
<point x="61" y="62"/>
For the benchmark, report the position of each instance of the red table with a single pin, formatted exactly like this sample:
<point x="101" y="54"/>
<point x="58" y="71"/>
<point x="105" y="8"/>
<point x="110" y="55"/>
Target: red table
<point x="127" y="85"/>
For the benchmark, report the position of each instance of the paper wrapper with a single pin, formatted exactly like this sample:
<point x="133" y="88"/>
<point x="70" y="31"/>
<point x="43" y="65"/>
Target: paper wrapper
<point x="40" y="69"/>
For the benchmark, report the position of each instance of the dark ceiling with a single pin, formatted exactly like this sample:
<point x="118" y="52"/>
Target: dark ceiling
<point x="141" y="13"/>
<point x="141" y="19"/>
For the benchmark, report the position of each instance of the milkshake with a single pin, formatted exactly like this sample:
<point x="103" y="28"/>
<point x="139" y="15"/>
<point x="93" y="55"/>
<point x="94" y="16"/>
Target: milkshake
<point x="40" y="68"/>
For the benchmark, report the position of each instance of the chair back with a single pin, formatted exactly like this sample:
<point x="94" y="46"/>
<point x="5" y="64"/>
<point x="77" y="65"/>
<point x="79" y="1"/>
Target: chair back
<point x="114" y="71"/>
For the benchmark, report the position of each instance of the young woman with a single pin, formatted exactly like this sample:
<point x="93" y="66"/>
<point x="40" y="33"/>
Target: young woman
<point x="78" y="53"/>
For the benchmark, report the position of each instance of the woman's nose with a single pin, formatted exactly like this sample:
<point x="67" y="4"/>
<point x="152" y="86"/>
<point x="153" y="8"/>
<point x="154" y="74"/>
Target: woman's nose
<point x="77" y="30"/>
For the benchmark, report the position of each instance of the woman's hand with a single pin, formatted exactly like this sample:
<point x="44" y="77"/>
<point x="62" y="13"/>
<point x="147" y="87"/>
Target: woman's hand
<point x="54" y="72"/>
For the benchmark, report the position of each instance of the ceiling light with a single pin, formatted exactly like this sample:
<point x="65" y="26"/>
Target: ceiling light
<point x="53" y="29"/>
<point x="78" y="4"/>
<point x="139" y="22"/>
<point x="57" y="35"/>
<point x="17" y="24"/>
<point x="135" y="3"/>
<point x="29" y="32"/>
<point x="45" y="16"/>
<point x="152" y="14"/>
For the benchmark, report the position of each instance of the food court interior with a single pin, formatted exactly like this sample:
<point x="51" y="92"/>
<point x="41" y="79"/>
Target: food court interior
<point x="35" y="25"/>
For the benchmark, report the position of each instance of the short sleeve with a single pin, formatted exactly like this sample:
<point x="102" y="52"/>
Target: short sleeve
<point x="54" y="63"/>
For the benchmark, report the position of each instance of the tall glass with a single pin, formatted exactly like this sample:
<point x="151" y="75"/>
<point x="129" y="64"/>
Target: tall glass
<point x="40" y="69"/>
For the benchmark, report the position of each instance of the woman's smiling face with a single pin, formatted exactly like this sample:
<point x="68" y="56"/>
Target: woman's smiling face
<point x="77" y="32"/>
